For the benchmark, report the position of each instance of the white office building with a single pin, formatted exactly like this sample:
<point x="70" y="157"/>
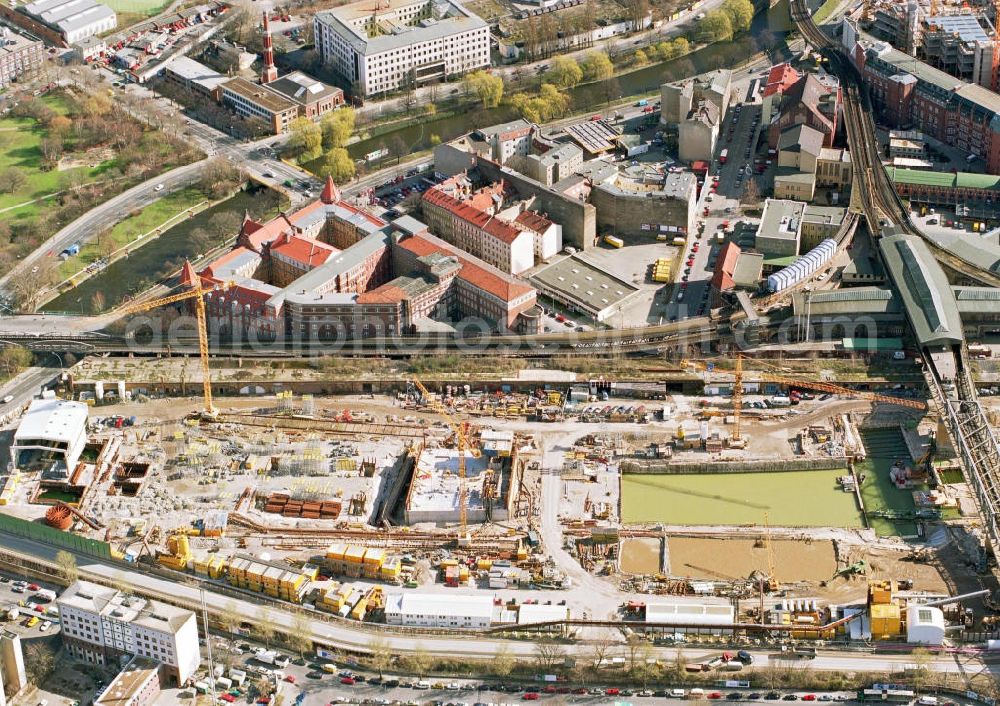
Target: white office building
<point x="387" y="46"/>
<point x="444" y="610"/>
<point x="73" y="19"/>
<point x="51" y="436"/>
<point x="104" y="626"/>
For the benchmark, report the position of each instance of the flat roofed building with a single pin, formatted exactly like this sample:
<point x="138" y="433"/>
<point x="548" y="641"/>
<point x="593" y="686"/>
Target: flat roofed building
<point x="136" y="685"/>
<point x="820" y="223"/>
<point x="20" y="54"/>
<point x="401" y="43"/>
<point x="780" y="227"/>
<point x="100" y="625"/>
<point x="584" y="287"/>
<point x="251" y="100"/>
<point x="52" y="433"/>
<point x="314" y="98"/>
<point x="691" y="617"/>
<point x="194" y="76"/>
<point x="73" y="19"/>
<point x="447" y="610"/>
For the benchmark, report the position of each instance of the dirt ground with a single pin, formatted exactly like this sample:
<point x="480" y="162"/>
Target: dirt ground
<point x="640" y="555"/>
<point x="708" y="558"/>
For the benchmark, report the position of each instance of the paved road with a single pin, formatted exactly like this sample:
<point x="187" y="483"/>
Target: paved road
<point x="347" y="635"/>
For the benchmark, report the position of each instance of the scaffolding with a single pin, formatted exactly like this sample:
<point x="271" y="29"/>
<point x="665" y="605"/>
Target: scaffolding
<point x="308" y="405"/>
<point x="285" y="400"/>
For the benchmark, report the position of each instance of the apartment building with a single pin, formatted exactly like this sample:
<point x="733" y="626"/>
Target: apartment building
<point x="401" y="43"/>
<point x="910" y="94"/>
<point x="13" y="677"/>
<point x="20" y="53"/>
<point x="136" y="685"/>
<point x="100" y="625"/>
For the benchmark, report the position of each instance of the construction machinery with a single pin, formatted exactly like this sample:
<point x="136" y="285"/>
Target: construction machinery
<point x="858" y="568"/>
<point x="197" y="293"/>
<point x="460" y="430"/>
<point x="815" y="385"/>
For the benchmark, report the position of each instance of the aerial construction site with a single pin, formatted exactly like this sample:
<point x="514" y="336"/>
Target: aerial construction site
<point x="546" y="499"/>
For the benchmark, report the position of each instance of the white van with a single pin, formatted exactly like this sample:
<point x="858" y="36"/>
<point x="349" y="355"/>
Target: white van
<point x="696" y="693"/>
<point x="927" y="701"/>
<point x="677" y="693"/>
<point x="422" y="685"/>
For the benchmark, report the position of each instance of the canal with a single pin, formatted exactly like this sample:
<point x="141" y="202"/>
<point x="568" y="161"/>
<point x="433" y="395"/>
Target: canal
<point x="767" y="34"/>
<point x="158" y="258"/>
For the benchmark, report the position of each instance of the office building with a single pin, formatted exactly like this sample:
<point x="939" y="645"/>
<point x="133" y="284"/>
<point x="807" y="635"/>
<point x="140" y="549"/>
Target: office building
<point x="780" y="228"/>
<point x="103" y="626"/>
<point x="136" y="685"/>
<point x="401" y="43"/>
<point x="251" y="100"/>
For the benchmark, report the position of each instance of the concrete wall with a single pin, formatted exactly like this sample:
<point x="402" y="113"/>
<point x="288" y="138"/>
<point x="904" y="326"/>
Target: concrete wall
<point x="665" y="468"/>
<point x="578" y="219"/>
<point x="623" y="214"/>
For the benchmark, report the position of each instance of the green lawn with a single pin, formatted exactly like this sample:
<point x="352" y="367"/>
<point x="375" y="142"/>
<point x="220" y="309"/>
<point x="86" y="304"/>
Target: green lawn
<point x="19" y="147"/>
<point x="152" y="216"/>
<point x="144" y="8"/>
<point x="825" y="11"/>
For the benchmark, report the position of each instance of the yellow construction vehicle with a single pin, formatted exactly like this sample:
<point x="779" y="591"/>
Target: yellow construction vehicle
<point x="197" y="293"/>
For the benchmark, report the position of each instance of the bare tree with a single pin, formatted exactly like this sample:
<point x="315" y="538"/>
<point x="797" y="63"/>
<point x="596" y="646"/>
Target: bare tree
<point x="264" y="628"/>
<point x="39" y="661"/>
<point x="67" y="565"/>
<point x="549" y="653"/>
<point x="381" y="654"/>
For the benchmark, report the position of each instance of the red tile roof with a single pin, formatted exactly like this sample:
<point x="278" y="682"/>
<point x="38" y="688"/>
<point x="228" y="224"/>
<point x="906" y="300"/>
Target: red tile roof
<point x="495" y="283"/>
<point x="386" y="294"/>
<point x="533" y="221"/>
<point x="307" y="252"/>
<point x="258" y="234"/>
<point x="722" y="278"/>
<point x="494" y="226"/>
<point x="780" y="78"/>
<point x="331" y="194"/>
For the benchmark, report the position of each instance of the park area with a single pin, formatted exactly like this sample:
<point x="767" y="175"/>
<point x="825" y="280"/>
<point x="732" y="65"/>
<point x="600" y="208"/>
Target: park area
<point x="60" y="155"/>
<point x="24" y="184"/>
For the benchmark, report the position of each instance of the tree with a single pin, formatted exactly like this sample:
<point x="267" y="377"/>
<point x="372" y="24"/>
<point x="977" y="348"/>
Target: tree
<point x="751" y="193"/>
<point x="716" y="27"/>
<point x="922" y="659"/>
<point x="549" y="653"/>
<point x="298" y="639"/>
<point x="219" y="177"/>
<point x="398" y="148"/>
<point x="640" y="58"/>
<point x="264" y="628"/>
<point x="229" y="618"/>
<point x="51" y="148"/>
<point x="503" y="662"/>
<point x="740" y="14"/>
<point x="638" y="12"/>
<point x="597" y="66"/>
<point x="60" y="124"/>
<point x="485" y="86"/>
<point x="381" y="654"/>
<point x="337" y="127"/>
<point x="564" y="72"/>
<point x="305" y="139"/>
<point x="224" y="224"/>
<point x="681" y="46"/>
<point x="67" y="565"/>
<point x="39" y="661"/>
<point x="418" y="661"/>
<point x="337" y="164"/>
<point x="11" y="179"/>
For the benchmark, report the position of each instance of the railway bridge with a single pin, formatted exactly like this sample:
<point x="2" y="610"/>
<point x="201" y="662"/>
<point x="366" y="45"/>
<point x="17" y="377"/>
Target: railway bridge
<point x="911" y="260"/>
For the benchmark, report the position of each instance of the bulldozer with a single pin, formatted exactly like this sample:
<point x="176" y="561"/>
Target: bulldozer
<point x="858" y="568"/>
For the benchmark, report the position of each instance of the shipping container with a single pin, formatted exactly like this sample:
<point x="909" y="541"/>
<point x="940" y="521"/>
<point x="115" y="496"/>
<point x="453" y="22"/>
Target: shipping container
<point x="613" y="241"/>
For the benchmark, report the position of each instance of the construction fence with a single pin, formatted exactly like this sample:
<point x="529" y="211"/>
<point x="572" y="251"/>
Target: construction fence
<point x="50" y="535"/>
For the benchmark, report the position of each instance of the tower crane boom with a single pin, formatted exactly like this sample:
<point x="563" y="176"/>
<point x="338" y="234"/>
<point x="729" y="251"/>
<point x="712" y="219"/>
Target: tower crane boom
<point x="197" y="293"/>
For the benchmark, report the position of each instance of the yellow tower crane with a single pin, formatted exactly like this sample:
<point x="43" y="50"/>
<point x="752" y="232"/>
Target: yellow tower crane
<point x="197" y="293"/>
<point x="460" y="429"/>
<point x="816" y="385"/>
<point x="737" y="400"/>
